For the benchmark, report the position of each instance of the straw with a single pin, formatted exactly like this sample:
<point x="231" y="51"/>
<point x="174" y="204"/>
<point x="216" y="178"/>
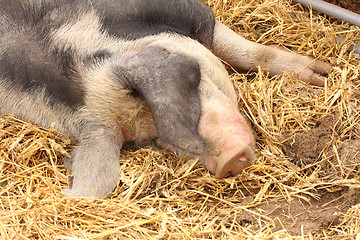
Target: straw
<point x="304" y="183"/>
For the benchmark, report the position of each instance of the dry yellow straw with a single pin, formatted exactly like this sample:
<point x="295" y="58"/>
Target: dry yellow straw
<point x="304" y="183"/>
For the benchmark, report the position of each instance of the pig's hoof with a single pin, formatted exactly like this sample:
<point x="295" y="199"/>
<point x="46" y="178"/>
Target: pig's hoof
<point x="312" y="74"/>
<point x="308" y="69"/>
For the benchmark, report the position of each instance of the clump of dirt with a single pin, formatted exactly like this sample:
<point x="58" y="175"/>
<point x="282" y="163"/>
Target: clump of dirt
<point x="349" y="152"/>
<point x="305" y="148"/>
<point x="311" y="147"/>
<point x="348" y="160"/>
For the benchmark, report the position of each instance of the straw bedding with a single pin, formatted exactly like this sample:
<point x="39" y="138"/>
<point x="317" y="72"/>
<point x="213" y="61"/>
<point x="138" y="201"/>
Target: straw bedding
<point x="304" y="184"/>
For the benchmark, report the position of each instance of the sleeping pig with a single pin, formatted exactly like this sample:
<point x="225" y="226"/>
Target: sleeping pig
<point x="113" y="71"/>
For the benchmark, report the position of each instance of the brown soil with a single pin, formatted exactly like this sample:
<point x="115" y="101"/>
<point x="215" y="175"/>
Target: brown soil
<point x="310" y="216"/>
<point x="323" y="211"/>
<point x="305" y="148"/>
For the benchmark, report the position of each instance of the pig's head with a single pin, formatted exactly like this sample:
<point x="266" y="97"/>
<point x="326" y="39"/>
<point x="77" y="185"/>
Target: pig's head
<point x="193" y="103"/>
<point x="225" y="131"/>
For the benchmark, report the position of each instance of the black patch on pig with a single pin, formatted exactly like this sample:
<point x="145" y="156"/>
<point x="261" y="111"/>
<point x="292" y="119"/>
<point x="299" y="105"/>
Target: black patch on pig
<point x="31" y="67"/>
<point x="168" y="83"/>
<point x="133" y="19"/>
<point x="127" y="19"/>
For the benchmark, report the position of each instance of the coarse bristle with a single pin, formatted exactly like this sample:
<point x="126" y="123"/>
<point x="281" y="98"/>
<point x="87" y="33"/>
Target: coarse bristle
<point x="304" y="184"/>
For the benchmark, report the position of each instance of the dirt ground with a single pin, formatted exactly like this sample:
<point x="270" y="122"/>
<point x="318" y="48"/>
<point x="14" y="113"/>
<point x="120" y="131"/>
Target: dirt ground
<point x="311" y="216"/>
<point x="324" y="210"/>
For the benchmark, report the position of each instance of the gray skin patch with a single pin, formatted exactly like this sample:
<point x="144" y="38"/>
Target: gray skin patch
<point x="168" y="83"/>
<point x="133" y="19"/>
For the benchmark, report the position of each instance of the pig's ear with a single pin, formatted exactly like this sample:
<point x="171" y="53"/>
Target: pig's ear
<point x="168" y="82"/>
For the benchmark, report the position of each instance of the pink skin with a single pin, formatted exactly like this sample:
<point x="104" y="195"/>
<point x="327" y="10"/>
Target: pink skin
<point x="228" y="135"/>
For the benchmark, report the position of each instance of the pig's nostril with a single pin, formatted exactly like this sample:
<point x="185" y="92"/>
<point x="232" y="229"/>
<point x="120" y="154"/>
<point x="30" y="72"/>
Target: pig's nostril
<point x="228" y="174"/>
<point x="243" y="158"/>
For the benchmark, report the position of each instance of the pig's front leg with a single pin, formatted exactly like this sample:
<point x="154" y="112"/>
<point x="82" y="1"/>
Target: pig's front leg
<point x="95" y="162"/>
<point x="243" y="54"/>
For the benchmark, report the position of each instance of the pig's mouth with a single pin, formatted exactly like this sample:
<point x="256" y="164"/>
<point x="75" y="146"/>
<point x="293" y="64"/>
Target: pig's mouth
<point x="226" y="161"/>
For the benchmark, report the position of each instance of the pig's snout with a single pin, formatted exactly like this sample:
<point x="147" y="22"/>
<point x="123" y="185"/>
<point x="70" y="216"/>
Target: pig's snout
<point x="230" y="140"/>
<point x="232" y="166"/>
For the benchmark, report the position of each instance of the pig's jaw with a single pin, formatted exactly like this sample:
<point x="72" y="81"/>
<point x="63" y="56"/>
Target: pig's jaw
<point x="226" y="132"/>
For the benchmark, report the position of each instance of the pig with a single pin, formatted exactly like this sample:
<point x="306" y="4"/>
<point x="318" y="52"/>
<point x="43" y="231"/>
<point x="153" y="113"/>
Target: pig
<point x="108" y="72"/>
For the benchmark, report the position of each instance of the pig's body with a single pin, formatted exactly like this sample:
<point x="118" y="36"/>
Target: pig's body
<point x="107" y="72"/>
